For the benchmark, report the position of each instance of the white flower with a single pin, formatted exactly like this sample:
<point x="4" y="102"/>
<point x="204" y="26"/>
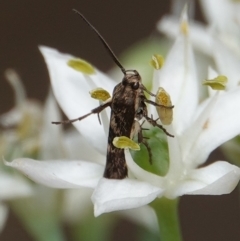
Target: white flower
<point x="11" y="187"/>
<point x="218" y="40"/>
<point x="21" y="123"/>
<point x="198" y="130"/>
<point x="223" y="16"/>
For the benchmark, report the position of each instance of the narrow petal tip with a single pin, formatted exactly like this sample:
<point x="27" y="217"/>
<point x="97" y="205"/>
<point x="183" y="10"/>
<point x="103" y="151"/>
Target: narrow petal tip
<point x="184" y="27"/>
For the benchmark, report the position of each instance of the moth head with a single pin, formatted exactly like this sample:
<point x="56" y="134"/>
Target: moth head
<point x="132" y="78"/>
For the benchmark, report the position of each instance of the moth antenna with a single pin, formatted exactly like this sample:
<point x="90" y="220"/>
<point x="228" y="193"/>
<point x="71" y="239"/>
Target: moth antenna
<point x="107" y="47"/>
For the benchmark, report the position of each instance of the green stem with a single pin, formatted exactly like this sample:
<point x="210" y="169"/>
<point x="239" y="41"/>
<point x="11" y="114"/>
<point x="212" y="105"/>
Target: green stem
<point x="167" y="215"/>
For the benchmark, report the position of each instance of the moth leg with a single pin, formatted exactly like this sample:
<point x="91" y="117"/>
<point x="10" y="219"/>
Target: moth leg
<point x="93" y="111"/>
<point x="145" y="89"/>
<point x="144" y="129"/>
<point x="98" y="115"/>
<point x="156" y="104"/>
<point x="137" y="130"/>
<point x="154" y="123"/>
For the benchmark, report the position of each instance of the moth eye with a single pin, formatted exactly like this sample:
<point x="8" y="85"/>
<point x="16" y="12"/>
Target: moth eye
<point x="135" y="85"/>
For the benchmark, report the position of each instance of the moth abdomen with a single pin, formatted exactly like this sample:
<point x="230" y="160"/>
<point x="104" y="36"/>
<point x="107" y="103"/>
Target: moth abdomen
<point x="116" y="167"/>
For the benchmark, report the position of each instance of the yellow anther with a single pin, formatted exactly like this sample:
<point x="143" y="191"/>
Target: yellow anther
<point x="100" y="94"/>
<point x="123" y="142"/>
<point x="81" y="66"/>
<point x="165" y="114"/>
<point x="218" y="83"/>
<point x="157" y="61"/>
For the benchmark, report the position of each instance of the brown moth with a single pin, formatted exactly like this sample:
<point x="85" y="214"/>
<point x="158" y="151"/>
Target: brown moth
<point x="128" y="106"/>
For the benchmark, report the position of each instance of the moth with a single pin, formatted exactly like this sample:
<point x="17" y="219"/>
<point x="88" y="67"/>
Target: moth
<point x="128" y="107"/>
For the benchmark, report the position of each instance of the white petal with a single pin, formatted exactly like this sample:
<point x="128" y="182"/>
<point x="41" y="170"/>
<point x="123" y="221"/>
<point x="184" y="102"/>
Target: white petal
<point x="218" y="178"/>
<point x="178" y="78"/>
<point x="17" y="85"/>
<point x="73" y="140"/>
<point x="177" y="7"/>
<point x="222" y="124"/>
<point x="12" y="186"/>
<point x="182" y="187"/>
<point x="227" y="63"/>
<point x="59" y="173"/>
<point x="113" y="195"/>
<point x="71" y="89"/>
<point x="51" y="135"/>
<point x="30" y="108"/>
<point x="218" y="13"/>
<point x="175" y="154"/>
<point x="3" y="215"/>
<point x="191" y="153"/>
<point x="12" y="117"/>
<point x="198" y="35"/>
